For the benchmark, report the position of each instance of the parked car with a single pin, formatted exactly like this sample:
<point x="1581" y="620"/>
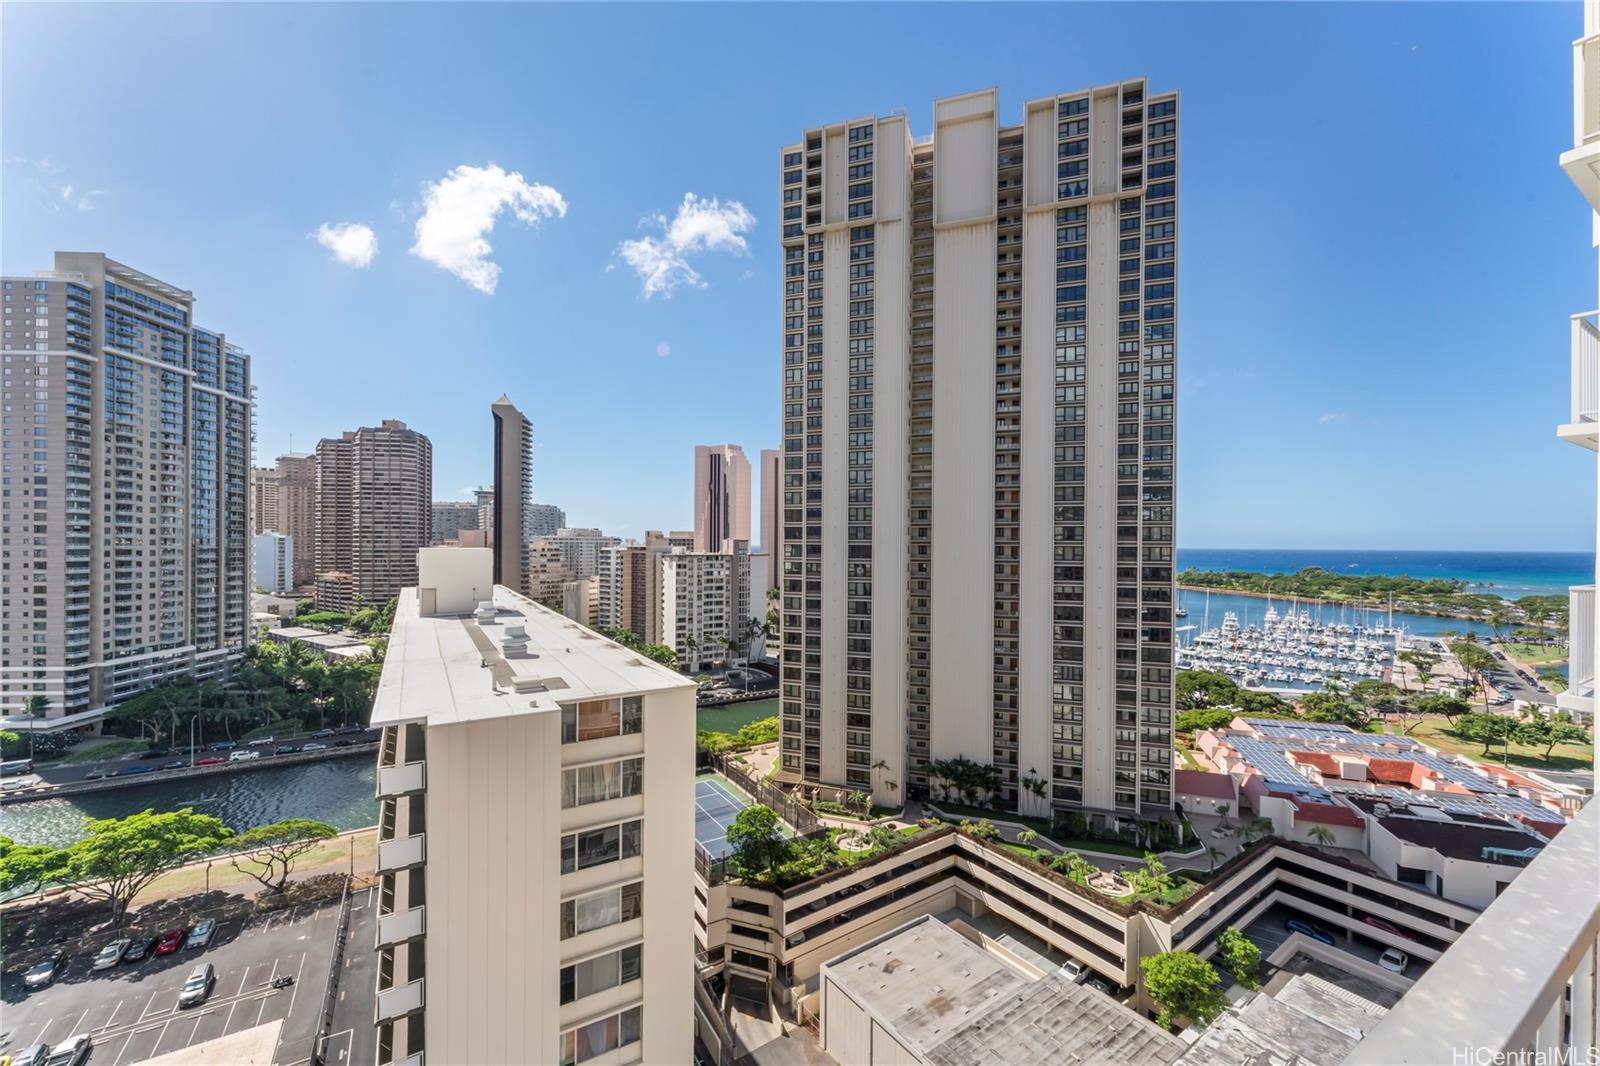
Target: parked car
<point x="286" y="749"/>
<point x="134" y="770"/>
<point x="1296" y="925"/>
<point x="224" y="745"/>
<point x="313" y="746"/>
<point x="32" y="1055"/>
<point x="73" y="1051"/>
<point x="322" y="733"/>
<point x="42" y="973"/>
<point x="243" y="756"/>
<point x="155" y="753"/>
<point x="197" y="989"/>
<point x="111" y="954"/>
<point x="262" y="740"/>
<point x="345" y="743"/>
<point x="170" y="941"/>
<point x="200" y="935"/>
<point x="99" y="775"/>
<point x="210" y="760"/>
<point x="1394" y="960"/>
<point x="176" y="764"/>
<point x="351" y="729"/>
<point x="139" y="950"/>
<point x="1071" y="970"/>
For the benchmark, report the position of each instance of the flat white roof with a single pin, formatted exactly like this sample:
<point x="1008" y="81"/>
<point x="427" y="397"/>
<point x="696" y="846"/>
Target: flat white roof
<point x="451" y="669"/>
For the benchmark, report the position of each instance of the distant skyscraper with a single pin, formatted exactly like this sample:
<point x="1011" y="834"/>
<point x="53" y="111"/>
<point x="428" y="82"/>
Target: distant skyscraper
<point x="513" y="494"/>
<point x="771" y="493"/>
<point x="721" y="497"/>
<point x="545" y="519"/>
<point x="450" y="517"/>
<point x="285" y="501"/>
<point x="129" y="480"/>
<point x="374" y="510"/>
<point x="979" y="353"/>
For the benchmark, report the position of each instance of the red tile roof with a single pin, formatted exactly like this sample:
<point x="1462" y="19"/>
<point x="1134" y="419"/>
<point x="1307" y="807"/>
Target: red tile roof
<point x="1201" y="783"/>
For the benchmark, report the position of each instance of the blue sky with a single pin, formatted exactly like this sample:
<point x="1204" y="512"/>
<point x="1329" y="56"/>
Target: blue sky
<point x="1379" y="253"/>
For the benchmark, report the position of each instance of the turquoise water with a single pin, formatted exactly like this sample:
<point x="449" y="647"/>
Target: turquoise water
<point x="1506" y="573"/>
<point x="1252" y="609"/>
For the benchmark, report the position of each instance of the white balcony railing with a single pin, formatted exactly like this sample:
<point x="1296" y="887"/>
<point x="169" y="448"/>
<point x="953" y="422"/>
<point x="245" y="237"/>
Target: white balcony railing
<point x="398" y="926"/>
<point x="1580" y="650"/>
<point x="402" y="780"/>
<point x="1520" y="985"/>
<point x="1580" y="162"/>
<point x="399" y="1001"/>
<point x="1585" y="367"/>
<point x="401" y="852"/>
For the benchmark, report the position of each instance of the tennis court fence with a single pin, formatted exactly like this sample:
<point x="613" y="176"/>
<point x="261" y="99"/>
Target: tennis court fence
<point x="786" y="806"/>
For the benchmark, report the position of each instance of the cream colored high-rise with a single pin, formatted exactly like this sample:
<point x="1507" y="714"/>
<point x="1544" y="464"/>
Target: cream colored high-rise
<point x="978" y="469"/>
<point x="536" y="791"/>
<point x="721" y="497"/>
<point x="126" y="509"/>
<point x="285" y="498"/>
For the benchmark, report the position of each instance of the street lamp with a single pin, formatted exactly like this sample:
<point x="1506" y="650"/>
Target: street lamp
<point x="191" y="740"/>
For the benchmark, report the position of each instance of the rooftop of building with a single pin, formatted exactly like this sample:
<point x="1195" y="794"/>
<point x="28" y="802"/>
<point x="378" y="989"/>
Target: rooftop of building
<point x="950" y="1002"/>
<point x="523" y="658"/>
<point x="1304" y="1021"/>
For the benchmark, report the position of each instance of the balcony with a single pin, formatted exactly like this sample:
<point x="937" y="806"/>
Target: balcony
<point x="399" y="926"/>
<point x="1521" y="980"/>
<point x="1582" y="162"/>
<point x="399" y="1001"/>
<point x="1584" y="428"/>
<point x="1579" y="697"/>
<point x="401" y="780"/>
<point x="400" y="853"/>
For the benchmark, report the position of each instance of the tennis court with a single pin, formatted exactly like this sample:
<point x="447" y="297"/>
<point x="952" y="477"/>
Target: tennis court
<point x="716" y="804"/>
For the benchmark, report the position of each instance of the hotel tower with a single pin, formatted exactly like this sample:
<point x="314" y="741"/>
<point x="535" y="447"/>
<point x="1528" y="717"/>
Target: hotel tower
<point x="978" y="467"/>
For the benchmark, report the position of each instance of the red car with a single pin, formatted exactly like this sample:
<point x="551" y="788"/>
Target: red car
<point x="1379" y="923"/>
<point x="170" y="941"/>
<point x="210" y="760"/>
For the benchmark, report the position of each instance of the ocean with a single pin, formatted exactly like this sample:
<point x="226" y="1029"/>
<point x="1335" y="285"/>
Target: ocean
<point x="1505" y="573"/>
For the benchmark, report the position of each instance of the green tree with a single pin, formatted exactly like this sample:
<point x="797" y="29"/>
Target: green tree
<point x="1204" y="688"/>
<point x="1546" y="731"/>
<point x="1151" y="879"/>
<point x="1185" y="986"/>
<point x="1027" y="837"/>
<point x="121" y="856"/>
<point x="25" y="867"/>
<point x="1240" y="955"/>
<point x="269" y="852"/>
<point x="1476" y="662"/>
<point x="1441" y="705"/>
<point x="756" y="842"/>
<point x="1487" y="729"/>
<point x="1332" y="707"/>
<point x="1322" y="835"/>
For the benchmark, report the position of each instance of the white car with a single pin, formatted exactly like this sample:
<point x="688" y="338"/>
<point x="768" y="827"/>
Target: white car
<point x="244" y="756"/>
<point x="1394" y="960"/>
<point x="111" y="954"/>
<point x="200" y="935"/>
<point x="313" y="746"/>
<point x="1071" y="970"/>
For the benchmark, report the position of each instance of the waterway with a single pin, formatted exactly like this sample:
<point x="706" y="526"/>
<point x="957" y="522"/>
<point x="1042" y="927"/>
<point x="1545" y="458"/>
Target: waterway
<point x="336" y="791"/>
<point x="1252" y="609"/>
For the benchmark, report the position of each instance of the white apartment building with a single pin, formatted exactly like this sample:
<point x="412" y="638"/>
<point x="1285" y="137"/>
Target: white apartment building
<point x="272" y="562"/>
<point x="978" y="449"/>
<point x="536" y="792"/>
<point x="127" y="446"/>
<point x="705" y="607"/>
<point x="580" y="550"/>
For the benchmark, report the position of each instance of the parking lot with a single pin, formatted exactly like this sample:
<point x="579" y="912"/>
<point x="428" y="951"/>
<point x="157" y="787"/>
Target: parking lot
<point x="132" y="1011"/>
<point x="1268" y="933"/>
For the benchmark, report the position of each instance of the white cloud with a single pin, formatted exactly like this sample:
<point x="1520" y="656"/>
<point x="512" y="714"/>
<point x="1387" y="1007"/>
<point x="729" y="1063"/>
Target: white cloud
<point x="352" y="243"/>
<point x="45" y="177"/>
<point x="459" y="213"/>
<point x="1333" y="416"/>
<point x="662" y="263"/>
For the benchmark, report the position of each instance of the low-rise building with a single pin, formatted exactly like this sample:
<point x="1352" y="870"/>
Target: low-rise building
<point x="535" y="793"/>
<point x="329" y="646"/>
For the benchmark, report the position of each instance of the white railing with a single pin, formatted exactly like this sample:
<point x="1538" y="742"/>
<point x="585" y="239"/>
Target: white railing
<point x="1520" y="984"/>
<point x="399" y="1001"/>
<point x="401" y="780"/>
<point x="1585" y="367"/>
<point x="1580" y="648"/>
<point x="401" y="852"/>
<point x="1585" y="90"/>
<point x="398" y="926"/>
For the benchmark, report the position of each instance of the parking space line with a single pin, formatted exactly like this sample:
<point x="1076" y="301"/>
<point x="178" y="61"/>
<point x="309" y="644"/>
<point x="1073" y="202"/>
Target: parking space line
<point x="113" y="1017"/>
<point x="242" y="978"/>
<point x="270" y="978"/>
<point x="295" y="989"/>
<point x="77" y="1023"/>
<point x="123" y="1049"/>
<point x="40" y="1038"/>
<point x="150" y="1004"/>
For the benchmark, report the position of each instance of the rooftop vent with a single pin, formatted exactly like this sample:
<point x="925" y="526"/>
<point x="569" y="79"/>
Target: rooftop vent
<point x="516" y="631"/>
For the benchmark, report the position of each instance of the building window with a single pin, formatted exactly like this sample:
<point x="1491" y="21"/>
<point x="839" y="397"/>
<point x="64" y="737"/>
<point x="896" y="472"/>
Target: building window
<point x="602" y="972"/>
<point x="597" y="1038"/>
<point x="598" y="719"/>
<point x="601" y="909"/>
<point x="596" y="847"/>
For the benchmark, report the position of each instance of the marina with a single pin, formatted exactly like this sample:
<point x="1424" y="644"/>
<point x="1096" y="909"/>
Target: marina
<point x="1291" y="651"/>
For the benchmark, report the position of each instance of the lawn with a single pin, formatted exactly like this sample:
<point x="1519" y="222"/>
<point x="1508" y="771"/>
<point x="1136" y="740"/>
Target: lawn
<point x="1435" y="732"/>
<point x="1536" y="654"/>
<point x="958" y="811"/>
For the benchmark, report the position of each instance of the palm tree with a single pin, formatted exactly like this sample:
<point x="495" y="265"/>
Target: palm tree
<point x="1223" y="810"/>
<point x="1322" y="835"/>
<point x="1027" y="837"/>
<point x="1214" y="854"/>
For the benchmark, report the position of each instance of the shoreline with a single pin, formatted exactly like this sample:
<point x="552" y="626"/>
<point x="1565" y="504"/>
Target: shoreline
<point x="1354" y="604"/>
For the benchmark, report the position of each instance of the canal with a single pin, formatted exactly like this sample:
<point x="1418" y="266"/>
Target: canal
<point x="336" y="791"/>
